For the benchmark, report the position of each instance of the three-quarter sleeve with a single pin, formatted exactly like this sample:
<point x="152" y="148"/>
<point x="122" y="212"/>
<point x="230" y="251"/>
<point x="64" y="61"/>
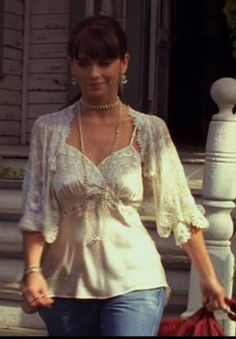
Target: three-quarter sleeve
<point x="175" y="207"/>
<point x="39" y="205"/>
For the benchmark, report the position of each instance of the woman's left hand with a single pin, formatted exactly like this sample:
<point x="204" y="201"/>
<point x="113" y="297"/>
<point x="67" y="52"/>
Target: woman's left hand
<point x="213" y="294"/>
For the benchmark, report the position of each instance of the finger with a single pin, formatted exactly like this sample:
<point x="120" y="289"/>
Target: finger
<point x="45" y="302"/>
<point x="212" y="305"/>
<point x="205" y="300"/>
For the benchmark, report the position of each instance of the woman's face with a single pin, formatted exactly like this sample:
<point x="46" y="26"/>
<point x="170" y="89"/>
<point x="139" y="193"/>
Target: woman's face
<point x="98" y="79"/>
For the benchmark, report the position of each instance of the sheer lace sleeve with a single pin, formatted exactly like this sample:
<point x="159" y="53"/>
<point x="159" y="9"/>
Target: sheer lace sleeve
<point x="39" y="205"/>
<point x="176" y="210"/>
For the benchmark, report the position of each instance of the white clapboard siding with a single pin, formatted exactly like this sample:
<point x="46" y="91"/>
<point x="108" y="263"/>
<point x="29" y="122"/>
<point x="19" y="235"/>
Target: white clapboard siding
<point x="13" y="21"/>
<point x="50" y="21"/>
<point x="56" y="82"/>
<point x="9" y="97"/>
<point x="40" y="97"/>
<point x="11" y="82"/>
<point x="48" y="62"/>
<point x="48" y="51"/>
<point x="50" y="6"/>
<point x="9" y="128"/>
<point x="9" y="140"/>
<point x="13" y="67"/>
<point x="13" y="38"/>
<point x="35" y="110"/>
<point x="12" y="53"/>
<point x="10" y="112"/>
<point x="55" y="36"/>
<point x="48" y="66"/>
<point x="14" y="7"/>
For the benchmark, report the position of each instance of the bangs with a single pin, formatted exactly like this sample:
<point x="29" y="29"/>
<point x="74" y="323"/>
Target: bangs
<point x="96" y="43"/>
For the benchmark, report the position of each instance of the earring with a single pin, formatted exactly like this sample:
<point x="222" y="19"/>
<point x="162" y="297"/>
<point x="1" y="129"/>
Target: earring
<point x="73" y="80"/>
<point x="123" y="79"/>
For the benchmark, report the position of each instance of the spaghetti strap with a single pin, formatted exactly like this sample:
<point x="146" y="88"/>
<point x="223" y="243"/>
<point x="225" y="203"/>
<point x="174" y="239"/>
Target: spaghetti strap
<point x="133" y="135"/>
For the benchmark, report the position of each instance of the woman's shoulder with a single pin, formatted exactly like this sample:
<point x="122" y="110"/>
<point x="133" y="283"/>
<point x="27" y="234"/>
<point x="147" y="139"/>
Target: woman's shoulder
<point x="50" y="120"/>
<point x="150" y="121"/>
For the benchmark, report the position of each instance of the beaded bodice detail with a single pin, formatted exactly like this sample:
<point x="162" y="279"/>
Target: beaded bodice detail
<point x="124" y="188"/>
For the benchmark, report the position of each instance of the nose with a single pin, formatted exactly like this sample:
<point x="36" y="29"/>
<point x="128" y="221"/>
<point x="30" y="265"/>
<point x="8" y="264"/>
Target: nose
<point x="94" y="71"/>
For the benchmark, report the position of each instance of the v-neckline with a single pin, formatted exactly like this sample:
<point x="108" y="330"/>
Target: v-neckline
<point x="78" y="151"/>
<point x="136" y="125"/>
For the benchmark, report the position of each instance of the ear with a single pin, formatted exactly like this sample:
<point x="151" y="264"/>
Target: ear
<point x="125" y="63"/>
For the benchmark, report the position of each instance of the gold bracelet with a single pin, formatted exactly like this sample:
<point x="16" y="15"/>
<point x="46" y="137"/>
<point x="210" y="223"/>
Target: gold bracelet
<point x="33" y="269"/>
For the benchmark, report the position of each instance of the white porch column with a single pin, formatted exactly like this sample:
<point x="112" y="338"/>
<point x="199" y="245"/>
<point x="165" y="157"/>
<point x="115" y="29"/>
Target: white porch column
<point x="218" y="195"/>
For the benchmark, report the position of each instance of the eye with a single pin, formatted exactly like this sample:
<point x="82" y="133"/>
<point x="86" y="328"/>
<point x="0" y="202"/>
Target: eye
<point x="82" y="63"/>
<point x="105" y="63"/>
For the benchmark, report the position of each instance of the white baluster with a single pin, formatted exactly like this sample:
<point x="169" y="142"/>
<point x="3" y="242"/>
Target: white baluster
<point x="218" y="195"/>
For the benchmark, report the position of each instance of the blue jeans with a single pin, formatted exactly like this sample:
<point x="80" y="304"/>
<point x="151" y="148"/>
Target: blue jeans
<point x="136" y="313"/>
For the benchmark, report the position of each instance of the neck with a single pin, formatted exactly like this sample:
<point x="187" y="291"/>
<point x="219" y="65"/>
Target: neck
<point x="100" y="107"/>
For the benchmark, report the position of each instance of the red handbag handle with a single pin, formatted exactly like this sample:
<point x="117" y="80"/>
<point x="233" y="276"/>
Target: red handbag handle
<point x="232" y="305"/>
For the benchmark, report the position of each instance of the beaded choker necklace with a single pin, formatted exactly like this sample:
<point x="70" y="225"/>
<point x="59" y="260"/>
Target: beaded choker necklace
<point x="100" y="107"/>
<point x="92" y="235"/>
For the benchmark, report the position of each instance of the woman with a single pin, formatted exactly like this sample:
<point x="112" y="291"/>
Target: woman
<point x="91" y="267"/>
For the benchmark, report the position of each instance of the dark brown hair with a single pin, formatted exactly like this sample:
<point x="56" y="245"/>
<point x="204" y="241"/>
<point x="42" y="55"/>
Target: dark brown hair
<point x="98" y="37"/>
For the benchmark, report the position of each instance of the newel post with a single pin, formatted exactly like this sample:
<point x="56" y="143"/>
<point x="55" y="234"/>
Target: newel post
<point x="218" y="195"/>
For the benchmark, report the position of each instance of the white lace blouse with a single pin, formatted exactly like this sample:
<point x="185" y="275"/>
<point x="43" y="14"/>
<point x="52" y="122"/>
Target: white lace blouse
<point x="125" y="258"/>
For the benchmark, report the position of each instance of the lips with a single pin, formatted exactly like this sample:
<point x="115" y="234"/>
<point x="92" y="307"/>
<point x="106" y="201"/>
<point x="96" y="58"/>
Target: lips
<point x="95" y="84"/>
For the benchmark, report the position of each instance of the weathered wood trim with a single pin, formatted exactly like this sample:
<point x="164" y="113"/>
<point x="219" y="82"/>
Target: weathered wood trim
<point x="13" y="38"/>
<point x="9" y="140"/>
<point x="13" y="67"/>
<point x="48" y="66"/>
<point x="43" y="97"/>
<point x="51" y="82"/>
<point x="12" y="53"/>
<point x="35" y="110"/>
<point x="25" y="73"/>
<point x="10" y="112"/>
<point x="14" y="7"/>
<point x="9" y="128"/>
<point x="42" y="36"/>
<point x="47" y="51"/>
<point x="2" y="5"/>
<point x="11" y="82"/>
<point x="10" y="97"/>
<point x="49" y="6"/>
<point x="13" y="21"/>
<point x="50" y="21"/>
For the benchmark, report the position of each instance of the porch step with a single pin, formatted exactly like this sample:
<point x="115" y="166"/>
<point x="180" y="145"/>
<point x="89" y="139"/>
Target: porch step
<point x="8" y="331"/>
<point x="14" y="151"/>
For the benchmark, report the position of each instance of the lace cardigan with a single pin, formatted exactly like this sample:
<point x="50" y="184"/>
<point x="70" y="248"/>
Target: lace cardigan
<point x="173" y="205"/>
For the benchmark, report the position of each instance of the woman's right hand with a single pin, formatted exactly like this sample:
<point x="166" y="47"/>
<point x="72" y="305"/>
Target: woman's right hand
<point x="35" y="291"/>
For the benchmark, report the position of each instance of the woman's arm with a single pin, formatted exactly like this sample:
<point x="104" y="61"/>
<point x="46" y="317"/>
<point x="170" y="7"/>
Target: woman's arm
<point x="212" y="291"/>
<point x="35" y="289"/>
<point x="33" y="243"/>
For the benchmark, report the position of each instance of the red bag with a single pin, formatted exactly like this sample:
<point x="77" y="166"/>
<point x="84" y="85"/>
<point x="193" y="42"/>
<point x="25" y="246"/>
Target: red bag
<point x="202" y="323"/>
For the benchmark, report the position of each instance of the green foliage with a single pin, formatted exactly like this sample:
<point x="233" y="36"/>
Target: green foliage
<point x="11" y="173"/>
<point x="230" y="15"/>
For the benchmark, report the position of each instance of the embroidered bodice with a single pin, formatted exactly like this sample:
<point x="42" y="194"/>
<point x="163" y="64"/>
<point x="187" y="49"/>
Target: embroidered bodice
<point x="125" y="183"/>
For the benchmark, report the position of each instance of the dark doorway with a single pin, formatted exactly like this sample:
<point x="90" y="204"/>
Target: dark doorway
<point x="201" y="54"/>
